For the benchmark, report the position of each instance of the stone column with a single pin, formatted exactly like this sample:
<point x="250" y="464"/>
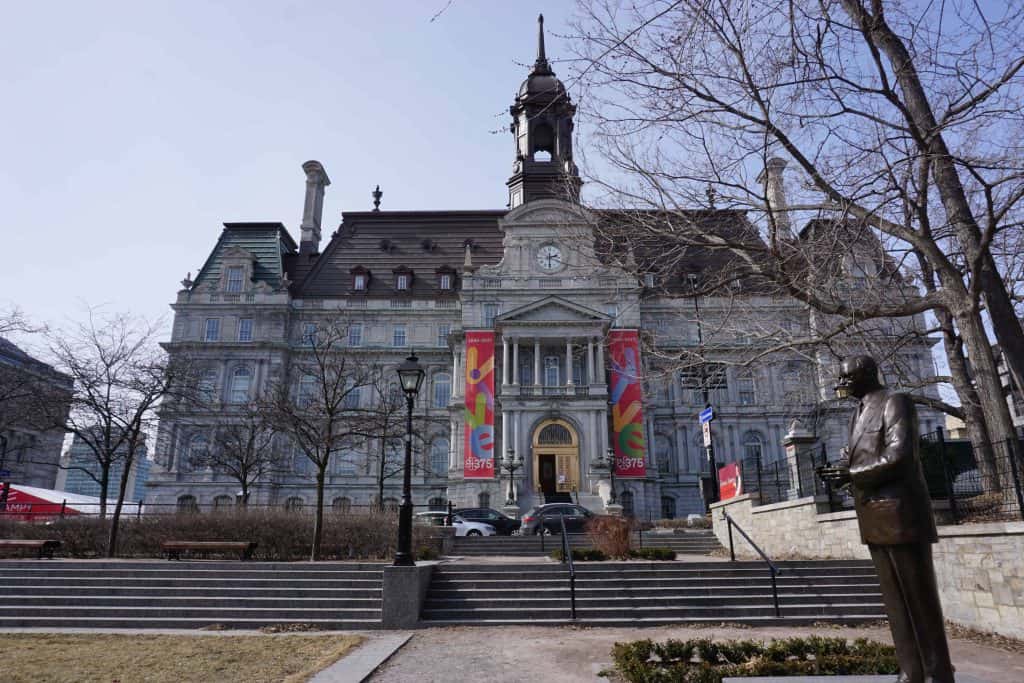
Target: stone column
<point x="600" y="363"/>
<point x="504" y="361"/>
<point x="537" y="379"/>
<point x="459" y="381"/>
<point x="568" y="362"/>
<point x="798" y="445"/>
<point x="505" y="443"/>
<point x="455" y="374"/>
<point x="515" y="360"/>
<point x="453" y="462"/>
<point x="590" y="361"/>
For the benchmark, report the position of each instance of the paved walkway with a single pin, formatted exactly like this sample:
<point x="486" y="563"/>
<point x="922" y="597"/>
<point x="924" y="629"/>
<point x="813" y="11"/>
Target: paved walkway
<point x="575" y="655"/>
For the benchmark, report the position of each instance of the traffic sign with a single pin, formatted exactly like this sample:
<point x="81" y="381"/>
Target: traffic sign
<point x="707" y="434"/>
<point x="707" y="415"/>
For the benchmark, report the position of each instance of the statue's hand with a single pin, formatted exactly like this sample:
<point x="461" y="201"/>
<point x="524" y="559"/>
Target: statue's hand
<point x="836" y="475"/>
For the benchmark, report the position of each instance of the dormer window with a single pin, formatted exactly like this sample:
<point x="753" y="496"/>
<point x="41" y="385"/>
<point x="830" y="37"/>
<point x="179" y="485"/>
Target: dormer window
<point x="234" y="280"/>
<point x="445" y="279"/>
<point x="402" y="282"/>
<point x="360" y="279"/>
<point x="648" y="280"/>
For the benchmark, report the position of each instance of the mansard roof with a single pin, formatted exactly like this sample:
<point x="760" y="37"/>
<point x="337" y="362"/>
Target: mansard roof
<point x="267" y="242"/>
<point x="381" y="241"/>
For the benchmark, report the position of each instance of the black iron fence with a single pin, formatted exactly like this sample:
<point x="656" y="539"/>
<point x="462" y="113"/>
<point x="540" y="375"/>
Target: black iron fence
<point x="964" y="486"/>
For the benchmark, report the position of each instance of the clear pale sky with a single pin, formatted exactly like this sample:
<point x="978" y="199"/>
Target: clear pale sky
<point x="130" y="131"/>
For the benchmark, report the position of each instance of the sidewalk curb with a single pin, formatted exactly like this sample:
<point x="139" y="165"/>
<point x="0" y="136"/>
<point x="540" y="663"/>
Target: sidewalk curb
<point x="359" y="665"/>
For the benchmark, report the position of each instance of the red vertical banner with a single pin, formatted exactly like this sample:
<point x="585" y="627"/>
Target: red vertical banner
<point x="626" y="400"/>
<point x="730" y="481"/>
<point x="478" y="462"/>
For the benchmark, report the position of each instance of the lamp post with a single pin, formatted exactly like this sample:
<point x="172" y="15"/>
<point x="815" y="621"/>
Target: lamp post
<point x="510" y="464"/>
<point x="704" y="389"/>
<point x="410" y="374"/>
<point x="609" y="461"/>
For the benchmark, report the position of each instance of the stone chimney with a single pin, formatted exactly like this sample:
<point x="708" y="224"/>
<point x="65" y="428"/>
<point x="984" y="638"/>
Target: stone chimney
<point x="771" y="179"/>
<point x="313" y="208"/>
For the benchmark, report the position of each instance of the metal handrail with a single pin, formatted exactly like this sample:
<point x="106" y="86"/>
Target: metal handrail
<point x="771" y="565"/>
<point x="567" y="557"/>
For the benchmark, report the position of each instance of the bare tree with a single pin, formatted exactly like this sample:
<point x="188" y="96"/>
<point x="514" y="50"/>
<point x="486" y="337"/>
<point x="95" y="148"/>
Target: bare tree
<point x="120" y="376"/>
<point x="903" y="123"/>
<point x="314" y="404"/>
<point x="244" y="447"/>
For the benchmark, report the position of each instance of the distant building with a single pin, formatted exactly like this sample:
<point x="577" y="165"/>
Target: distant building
<point x="30" y="444"/>
<point x="80" y="471"/>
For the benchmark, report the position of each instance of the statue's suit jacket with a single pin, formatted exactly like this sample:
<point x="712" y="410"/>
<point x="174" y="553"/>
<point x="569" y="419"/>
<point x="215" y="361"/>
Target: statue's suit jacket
<point x="889" y="490"/>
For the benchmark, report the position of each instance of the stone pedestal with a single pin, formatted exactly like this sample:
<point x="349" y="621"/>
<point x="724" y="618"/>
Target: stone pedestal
<point x="404" y="590"/>
<point x="613" y="509"/>
<point x="604" y="489"/>
<point x="799" y="446"/>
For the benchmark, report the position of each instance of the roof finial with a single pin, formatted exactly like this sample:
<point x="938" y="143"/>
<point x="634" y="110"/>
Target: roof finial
<point x="377" y="194"/>
<point x="541" y="66"/>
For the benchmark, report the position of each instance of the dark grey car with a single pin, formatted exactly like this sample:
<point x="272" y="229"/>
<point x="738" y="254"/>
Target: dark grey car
<point x="546" y="517"/>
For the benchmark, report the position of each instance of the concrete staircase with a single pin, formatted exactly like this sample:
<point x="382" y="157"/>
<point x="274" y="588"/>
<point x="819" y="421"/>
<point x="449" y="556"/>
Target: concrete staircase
<point x="161" y="594"/>
<point x="621" y="594"/>
<point x="696" y="542"/>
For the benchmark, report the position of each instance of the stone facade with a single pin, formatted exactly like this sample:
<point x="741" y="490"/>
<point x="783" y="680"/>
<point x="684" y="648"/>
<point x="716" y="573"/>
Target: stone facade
<point x="420" y="280"/>
<point x="978" y="566"/>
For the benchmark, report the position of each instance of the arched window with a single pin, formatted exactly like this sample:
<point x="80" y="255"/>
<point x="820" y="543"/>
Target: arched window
<point x="198" y="453"/>
<point x="307" y="390"/>
<point x="439" y="456"/>
<point x="753" y="445"/>
<point x="342" y="504"/>
<point x="753" y="460"/>
<point x="223" y="502"/>
<point x="626" y="501"/>
<point x="241" y="384"/>
<point x="208" y="386"/>
<point x="483" y="500"/>
<point x="668" y="507"/>
<point x="294" y="504"/>
<point x="555" y="435"/>
<point x="353" y="398"/>
<point x="745" y="387"/>
<point x="442" y="389"/>
<point x="663" y="452"/>
<point x="187" y="504"/>
<point x="437" y="503"/>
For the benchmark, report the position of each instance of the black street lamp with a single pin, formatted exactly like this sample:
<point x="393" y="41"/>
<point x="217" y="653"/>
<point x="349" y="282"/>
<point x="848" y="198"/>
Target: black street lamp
<point x="712" y="465"/>
<point x="510" y="464"/>
<point x="410" y="374"/>
<point x="610" y="456"/>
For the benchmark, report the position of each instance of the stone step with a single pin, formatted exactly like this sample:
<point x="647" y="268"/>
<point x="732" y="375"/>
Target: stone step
<point x="637" y="602"/>
<point x="754" y="621"/>
<point x="187" y="591"/>
<point x="866" y="610"/>
<point x="110" y="622"/>
<point x="147" y="601"/>
<point x="188" y="565"/>
<point x="186" y="574"/>
<point x="256" y="584"/>
<point x="11" y="612"/>
<point x="665" y="592"/>
<point x="640" y="584"/>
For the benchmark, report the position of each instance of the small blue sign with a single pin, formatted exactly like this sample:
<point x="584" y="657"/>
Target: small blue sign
<point x="707" y="415"/>
<point x="5" y="473"/>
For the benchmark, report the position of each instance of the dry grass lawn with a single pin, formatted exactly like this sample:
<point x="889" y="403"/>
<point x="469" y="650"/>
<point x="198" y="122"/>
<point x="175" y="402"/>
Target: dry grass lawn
<point x="109" y="658"/>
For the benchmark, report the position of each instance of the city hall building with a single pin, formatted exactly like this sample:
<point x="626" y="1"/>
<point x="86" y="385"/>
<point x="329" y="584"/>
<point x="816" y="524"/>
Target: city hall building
<point x="534" y="346"/>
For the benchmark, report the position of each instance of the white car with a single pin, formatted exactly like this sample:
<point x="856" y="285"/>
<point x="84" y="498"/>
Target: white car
<point x="462" y="527"/>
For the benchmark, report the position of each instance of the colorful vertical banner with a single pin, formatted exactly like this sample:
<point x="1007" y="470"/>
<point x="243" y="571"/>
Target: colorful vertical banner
<point x="627" y="409"/>
<point x="730" y="481"/>
<point x="478" y="462"/>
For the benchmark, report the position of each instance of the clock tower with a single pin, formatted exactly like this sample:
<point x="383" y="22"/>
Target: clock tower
<point x="542" y="125"/>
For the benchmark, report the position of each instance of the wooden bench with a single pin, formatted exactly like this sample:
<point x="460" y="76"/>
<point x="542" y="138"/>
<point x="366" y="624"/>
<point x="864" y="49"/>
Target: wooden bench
<point x="173" y="549"/>
<point x="43" y="547"/>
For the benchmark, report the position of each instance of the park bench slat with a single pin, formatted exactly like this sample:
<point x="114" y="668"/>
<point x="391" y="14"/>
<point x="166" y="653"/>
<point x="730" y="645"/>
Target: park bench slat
<point x="43" y="546"/>
<point x="173" y="549"/>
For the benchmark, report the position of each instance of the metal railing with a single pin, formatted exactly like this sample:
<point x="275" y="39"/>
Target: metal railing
<point x="567" y="557"/>
<point x="771" y="565"/>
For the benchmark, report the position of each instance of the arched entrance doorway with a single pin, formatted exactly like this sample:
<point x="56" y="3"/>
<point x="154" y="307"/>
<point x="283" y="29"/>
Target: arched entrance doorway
<point x="556" y="458"/>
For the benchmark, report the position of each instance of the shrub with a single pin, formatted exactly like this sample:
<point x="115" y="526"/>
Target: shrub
<point x="653" y="554"/>
<point x="610" y="535"/>
<point x="707" y="661"/>
<point x="692" y="522"/>
<point x="280" y="535"/>
<point x="582" y="555"/>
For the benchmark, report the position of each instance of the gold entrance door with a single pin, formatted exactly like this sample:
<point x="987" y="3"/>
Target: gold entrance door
<point x="556" y="440"/>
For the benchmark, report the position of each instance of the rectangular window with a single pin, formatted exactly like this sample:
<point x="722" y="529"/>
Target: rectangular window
<point x="402" y="282"/>
<point x="309" y="333"/>
<point x="245" y="329"/>
<point x="490" y="313"/>
<point x="212" y="329"/>
<point x="351" y="401"/>
<point x="398" y="336"/>
<point x="355" y="334"/>
<point x="234" y="283"/>
<point x="359" y="282"/>
<point x="551" y="371"/>
<point x="445" y="281"/>
<point x="442" y="334"/>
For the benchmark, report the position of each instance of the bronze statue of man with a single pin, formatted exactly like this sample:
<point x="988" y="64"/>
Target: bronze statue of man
<point x="894" y="513"/>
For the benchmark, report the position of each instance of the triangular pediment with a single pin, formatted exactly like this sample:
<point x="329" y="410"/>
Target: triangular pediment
<point x="553" y="309"/>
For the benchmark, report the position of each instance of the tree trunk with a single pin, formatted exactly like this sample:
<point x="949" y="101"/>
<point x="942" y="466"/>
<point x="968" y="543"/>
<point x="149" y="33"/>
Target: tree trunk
<point x="115" y="521"/>
<point x="318" y="521"/>
<point x="380" y="477"/>
<point x="104" y="483"/>
<point x="990" y="399"/>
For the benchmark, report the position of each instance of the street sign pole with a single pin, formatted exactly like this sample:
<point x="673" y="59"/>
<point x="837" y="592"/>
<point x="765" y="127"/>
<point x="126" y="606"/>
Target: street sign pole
<point x="706" y="416"/>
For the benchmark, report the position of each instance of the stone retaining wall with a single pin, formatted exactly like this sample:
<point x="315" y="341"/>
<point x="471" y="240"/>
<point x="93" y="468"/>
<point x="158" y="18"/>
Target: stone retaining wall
<point x="979" y="567"/>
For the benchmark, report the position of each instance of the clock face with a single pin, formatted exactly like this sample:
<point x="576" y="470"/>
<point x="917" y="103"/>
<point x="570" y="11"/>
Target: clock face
<point x="549" y="257"/>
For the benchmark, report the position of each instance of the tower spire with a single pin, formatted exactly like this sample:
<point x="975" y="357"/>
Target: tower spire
<point x="541" y="66"/>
